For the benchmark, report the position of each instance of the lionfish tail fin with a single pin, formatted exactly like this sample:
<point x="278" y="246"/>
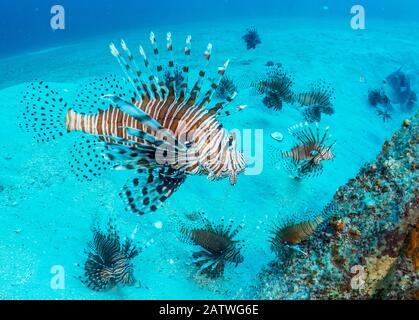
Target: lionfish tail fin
<point x="44" y="112"/>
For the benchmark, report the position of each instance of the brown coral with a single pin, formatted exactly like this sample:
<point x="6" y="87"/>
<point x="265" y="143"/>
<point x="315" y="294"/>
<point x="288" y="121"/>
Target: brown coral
<point x="354" y="233"/>
<point x="412" y="250"/>
<point x="337" y="224"/>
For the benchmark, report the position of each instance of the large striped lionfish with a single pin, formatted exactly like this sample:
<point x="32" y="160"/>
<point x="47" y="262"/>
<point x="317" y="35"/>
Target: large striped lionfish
<point x="109" y="261"/>
<point x="151" y="122"/>
<point x="317" y="101"/>
<point x="305" y="158"/>
<point x="217" y="243"/>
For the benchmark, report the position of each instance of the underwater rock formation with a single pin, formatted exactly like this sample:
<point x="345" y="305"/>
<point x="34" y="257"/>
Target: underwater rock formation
<point x="368" y="248"/>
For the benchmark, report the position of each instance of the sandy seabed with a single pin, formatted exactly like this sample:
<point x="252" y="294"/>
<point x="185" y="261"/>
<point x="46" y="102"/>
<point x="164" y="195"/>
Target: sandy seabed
<point x="46" y="214"/>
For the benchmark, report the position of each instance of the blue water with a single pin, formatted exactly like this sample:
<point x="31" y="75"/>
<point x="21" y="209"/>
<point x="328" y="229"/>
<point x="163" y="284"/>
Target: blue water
<point x="47" y="214"/>
<point x="25" y="25"/>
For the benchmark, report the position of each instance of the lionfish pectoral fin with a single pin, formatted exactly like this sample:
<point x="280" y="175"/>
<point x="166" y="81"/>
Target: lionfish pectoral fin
<point x="131" y="157"/>
<point x="133" y="111"/>
<point x="309" y="168"/>
<point x="87" y="160"/>
<point x="150" y="188"/>
<point x="143" y="135"/>
<point x="298" y="249"/>
<point x="290" y="166"/>
<point x="144" y="118"/>
<point x="212" y="269"/>
<point x="45" y="109"/>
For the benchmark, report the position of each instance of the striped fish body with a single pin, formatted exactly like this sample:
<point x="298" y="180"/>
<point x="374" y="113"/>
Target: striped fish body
<point x="210" y="241"/>
<point x="309" y="151"/>
<point x="210" y="152"/>
<point x="300" y="152"/>
<point x="321" y="94"/>
<point x="304" y="159"/>
<point x="293" y="234"/>
<point x="310" y="99"/>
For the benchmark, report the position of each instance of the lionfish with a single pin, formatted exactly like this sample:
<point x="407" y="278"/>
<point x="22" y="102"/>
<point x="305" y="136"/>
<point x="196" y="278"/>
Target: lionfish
<point x="316" y="101"/>
<point x="378" y="97"/>
<point x="276" y="86"/>
<point x="217" y="242"/>
<point x="321" y="94"/>
<point x="384" y="114"/>
<point x="291" y="234"/>
<point x="304" y="159"/>
<point x="160" y="130"/>
<point x="109" y="261"/>
<point x="251" y="38"/>
<point x="314" y="113"/>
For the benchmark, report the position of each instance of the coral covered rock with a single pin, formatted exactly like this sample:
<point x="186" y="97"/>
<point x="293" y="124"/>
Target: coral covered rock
<point x="369" y="248"/>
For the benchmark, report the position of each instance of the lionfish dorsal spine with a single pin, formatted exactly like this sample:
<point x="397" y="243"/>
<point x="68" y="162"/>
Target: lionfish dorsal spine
<point x="196" y="89"/>
<point x="132" y="73"/>
<point x="214" y="85"/>
<point x="159" y="67"/>
<point x="185" y="68"/>
<point x="158" y="92"/>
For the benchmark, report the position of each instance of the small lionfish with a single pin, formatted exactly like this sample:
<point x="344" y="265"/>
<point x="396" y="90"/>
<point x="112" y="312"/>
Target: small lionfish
<point x="305" y="158"/>
<point x="316" y="101"/>
<point x="251" y="38"/>
<point x="108" y="261"/>
<point x="217" y="244"/>
<point x="162" y="130"/>
<point x="384" y="114"/>
<point x="291" y="234"/>
<point x="321" y="94"/>
<point x="276" y="86"/>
